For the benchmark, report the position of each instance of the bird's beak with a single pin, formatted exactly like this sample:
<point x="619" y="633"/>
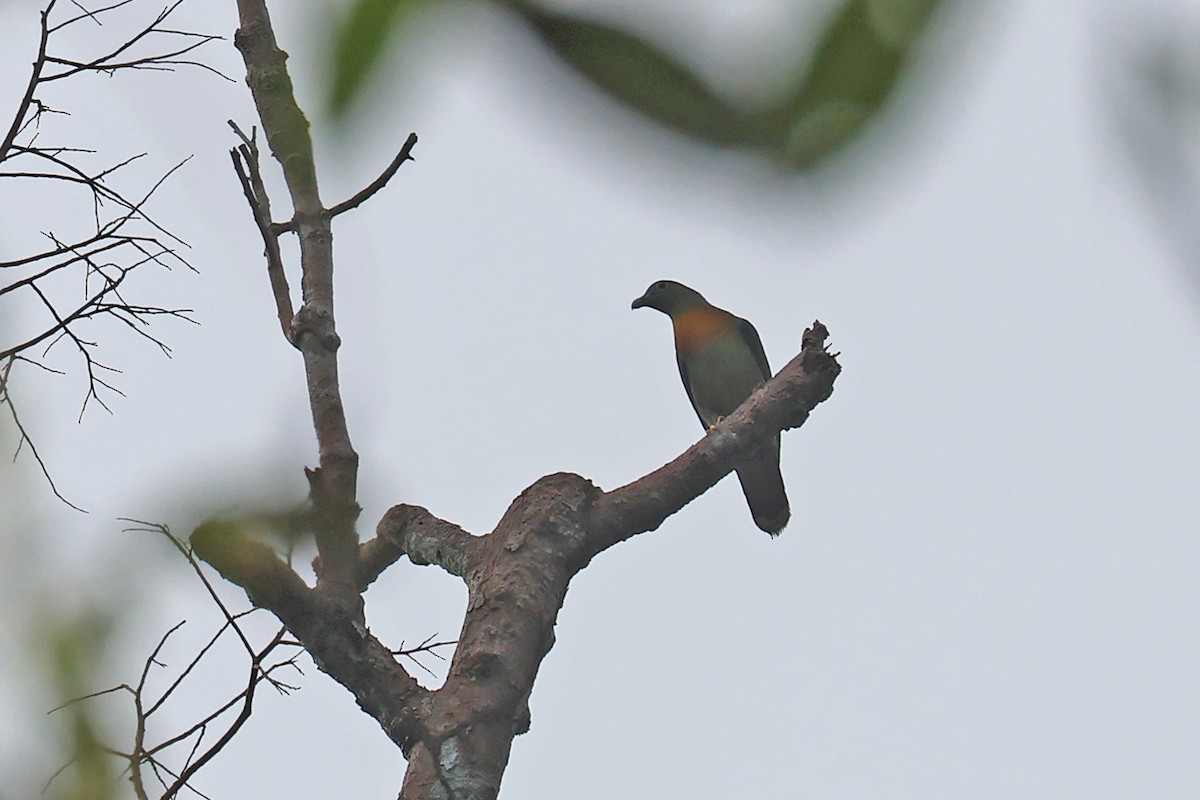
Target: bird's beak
<point x="641" y="301"/>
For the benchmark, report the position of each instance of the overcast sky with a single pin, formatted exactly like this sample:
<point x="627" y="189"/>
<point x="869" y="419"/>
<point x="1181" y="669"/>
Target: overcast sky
<point x="988" y="587"/>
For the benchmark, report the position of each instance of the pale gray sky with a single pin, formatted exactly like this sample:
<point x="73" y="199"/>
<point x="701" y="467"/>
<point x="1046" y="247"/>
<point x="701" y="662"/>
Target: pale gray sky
<point x="988" y="588"/>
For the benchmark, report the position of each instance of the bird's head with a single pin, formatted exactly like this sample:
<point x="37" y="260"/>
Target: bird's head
<point x="670" y="298"/>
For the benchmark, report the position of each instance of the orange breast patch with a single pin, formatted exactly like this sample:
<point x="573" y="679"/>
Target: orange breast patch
<point x="697" y="327"/>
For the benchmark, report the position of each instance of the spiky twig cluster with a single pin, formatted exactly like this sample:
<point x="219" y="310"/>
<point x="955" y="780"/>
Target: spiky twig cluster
<point x="42" y="285"/>
<point x="172" y="759"/>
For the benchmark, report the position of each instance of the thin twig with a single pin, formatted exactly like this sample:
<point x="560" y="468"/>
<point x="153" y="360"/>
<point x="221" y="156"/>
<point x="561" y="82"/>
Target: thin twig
<point x="34" y="79"/>
<point x="23" y="435"/>
<point x="361" y="197"/>
<point x="428" y="646"/>
<point x="246" y="165"/>
<point x="263" y="666"/>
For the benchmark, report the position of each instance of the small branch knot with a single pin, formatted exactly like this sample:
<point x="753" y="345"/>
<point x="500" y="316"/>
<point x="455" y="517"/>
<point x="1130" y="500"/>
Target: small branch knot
<point x="317" y="322"/>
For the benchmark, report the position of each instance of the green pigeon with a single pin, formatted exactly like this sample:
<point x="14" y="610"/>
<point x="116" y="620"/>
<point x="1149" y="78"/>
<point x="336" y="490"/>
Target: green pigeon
<point x="722" y="361"/>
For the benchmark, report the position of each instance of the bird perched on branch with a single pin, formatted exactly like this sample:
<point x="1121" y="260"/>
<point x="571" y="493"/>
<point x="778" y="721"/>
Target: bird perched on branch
<point x="722" y="361"/>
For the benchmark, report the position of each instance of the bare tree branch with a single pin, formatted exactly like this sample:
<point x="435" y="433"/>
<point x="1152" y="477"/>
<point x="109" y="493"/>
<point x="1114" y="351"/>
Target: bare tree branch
<point x="428" y="647"/>
<point x="457" y="738"/>
<point x="23" y="436"/>
<point x="333" y="484"/>
<point x="362" y="196"/>
<point x="263" y="663"/>
<point x="159" y="60"/>
<point x="35" y="78"/>
<point x="425" y="539"/>
<point x="124" y="237"/>
<point x="246" y="165"/>
<point x="377" y="184"/>
<point x="337" y="641"/>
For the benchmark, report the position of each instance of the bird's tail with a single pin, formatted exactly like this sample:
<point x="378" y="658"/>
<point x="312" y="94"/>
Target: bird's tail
<point x="762" y="483"/>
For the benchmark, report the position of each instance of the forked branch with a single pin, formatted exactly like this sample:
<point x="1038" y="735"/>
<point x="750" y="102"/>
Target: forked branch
<point x="312" y="329"/>
<point x="249" y="172"/>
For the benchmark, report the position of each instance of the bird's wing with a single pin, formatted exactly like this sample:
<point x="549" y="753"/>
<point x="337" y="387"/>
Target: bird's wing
<point x="687" y="387"/>
<point x="750" y="336"/>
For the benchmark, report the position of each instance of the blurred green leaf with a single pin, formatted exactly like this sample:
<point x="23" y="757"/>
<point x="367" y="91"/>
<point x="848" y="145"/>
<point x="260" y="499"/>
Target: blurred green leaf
<point x="859" y="59"/>
<point x="359" y="43"/>
<point x="73" y="647"/>
<point x="853" y="72"/>
<point x="636" y="73"/>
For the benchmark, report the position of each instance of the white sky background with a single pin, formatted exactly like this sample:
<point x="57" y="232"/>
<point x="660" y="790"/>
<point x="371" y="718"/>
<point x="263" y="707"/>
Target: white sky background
<point x="988" y="588"/>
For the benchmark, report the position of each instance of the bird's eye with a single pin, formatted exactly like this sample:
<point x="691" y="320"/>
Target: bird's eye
<point x="658" y="287"/>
